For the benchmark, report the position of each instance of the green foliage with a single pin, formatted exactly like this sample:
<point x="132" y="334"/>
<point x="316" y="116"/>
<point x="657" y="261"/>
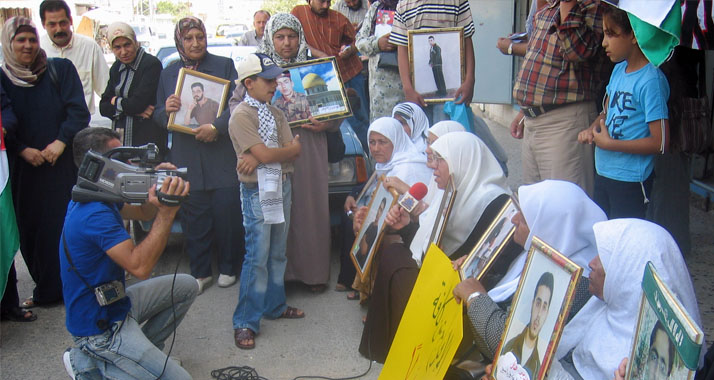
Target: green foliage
<point x="277" y="6"/>
<point x="178" y="10"/>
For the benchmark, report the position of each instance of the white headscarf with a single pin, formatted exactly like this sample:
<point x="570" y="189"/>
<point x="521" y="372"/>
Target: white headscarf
<point x="600" y="334"/>
<point x="417" y="121"/>
<point x="432" y="198"/>
<point x="560" y="214"/>
<point x="443" y="127"/>
<point x="478" y="180"/>
<point x="406" y="163"/>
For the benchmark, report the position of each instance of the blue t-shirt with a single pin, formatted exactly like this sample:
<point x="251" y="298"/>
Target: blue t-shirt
<point x="634" y="99"/>
<point x="91" y="229"/>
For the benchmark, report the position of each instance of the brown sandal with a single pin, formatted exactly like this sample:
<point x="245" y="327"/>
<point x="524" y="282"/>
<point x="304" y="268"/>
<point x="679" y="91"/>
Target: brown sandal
<point x="243" y="335"/>
<point x="292" y="313"/>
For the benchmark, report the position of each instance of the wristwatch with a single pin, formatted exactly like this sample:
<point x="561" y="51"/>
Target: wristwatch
<point x="472" y="296"/>
<point x="510" y="49"/>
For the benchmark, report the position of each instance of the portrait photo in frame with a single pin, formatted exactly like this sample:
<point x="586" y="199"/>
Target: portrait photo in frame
<point x="203" y="99"/>
<point x="367" y="190"/>
<point x="540" y="306"/>
<point x="491" y="244"/>
<point x="447" y="201"/>
<point x="370" y="235"/>
<point x="311" y="88"/>
<point x="667" y="340"/>
<point x="436" y="62"/>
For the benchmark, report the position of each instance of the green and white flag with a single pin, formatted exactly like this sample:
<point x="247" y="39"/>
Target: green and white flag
<point x="9" y="237"/>
<point x="657" y="25"/>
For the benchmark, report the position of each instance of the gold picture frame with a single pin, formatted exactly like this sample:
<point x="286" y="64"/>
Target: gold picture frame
<point x="317" y="90"/>
<point x="491" y="244"/>
<point x="212" y="89"/>
<point x="438" y="78"/>
<point x="365" y="195"/>
<point x="447" y="202"/>
<point x="547" y="274"/>
<point x="363" y="250"/>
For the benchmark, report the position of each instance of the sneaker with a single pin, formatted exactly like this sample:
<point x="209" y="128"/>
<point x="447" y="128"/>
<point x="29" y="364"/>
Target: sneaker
<point x="225" y="280"/>
<point x="68" y="363"/>
<point x="204" y="283"/>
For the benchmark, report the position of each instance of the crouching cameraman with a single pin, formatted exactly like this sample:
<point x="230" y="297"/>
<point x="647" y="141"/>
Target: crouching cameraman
<point x="105" y="320"/>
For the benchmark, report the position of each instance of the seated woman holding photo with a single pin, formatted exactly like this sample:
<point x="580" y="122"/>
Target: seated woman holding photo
<point x="395" y="156"/>
<point x="599" y="336"/>
<point x="481" y="191"/>
<point x="561" y="214"/>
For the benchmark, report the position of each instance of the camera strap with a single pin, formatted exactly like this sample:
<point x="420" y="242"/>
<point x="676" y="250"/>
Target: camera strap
<point x="102" y="324"/>
<point x="71" y="264"/>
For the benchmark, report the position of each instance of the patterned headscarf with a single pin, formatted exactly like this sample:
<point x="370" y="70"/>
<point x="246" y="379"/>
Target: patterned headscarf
<point x="182" y="27"/>
<point x="275" y="23"/>
<point x="18" y="73"/>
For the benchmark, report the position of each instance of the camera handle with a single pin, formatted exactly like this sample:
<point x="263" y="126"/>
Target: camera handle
<point x="169" y="200"/>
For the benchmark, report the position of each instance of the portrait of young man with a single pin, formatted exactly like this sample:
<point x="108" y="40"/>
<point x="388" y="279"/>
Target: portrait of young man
<point x="524" y="346"/>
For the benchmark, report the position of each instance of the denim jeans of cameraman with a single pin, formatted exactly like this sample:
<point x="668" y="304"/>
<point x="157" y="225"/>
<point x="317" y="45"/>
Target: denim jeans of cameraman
<point x="262" y="286"/>
<point x="130" y="351"/>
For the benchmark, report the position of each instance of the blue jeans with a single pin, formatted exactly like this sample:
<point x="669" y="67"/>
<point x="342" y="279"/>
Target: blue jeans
<point x="129" y="351"/>
<point x="262" y="286"/>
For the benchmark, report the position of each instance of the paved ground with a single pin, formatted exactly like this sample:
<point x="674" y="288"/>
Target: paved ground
<point x="324" y="343"/>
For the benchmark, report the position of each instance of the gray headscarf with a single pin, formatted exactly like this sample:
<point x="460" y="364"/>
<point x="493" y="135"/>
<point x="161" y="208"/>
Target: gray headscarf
<point x="275" y="23"/>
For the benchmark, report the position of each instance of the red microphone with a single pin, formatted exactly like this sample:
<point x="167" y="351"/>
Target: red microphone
<point x="409" y="200"/>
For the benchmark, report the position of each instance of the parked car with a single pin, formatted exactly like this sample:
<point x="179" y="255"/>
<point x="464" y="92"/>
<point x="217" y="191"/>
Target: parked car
<point x="170" y="48"/>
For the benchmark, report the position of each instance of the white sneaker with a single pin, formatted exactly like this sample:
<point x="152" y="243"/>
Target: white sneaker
<point x="68" y="364"/>
<point x="225" y="280"/>
<point x="204" y="283"/>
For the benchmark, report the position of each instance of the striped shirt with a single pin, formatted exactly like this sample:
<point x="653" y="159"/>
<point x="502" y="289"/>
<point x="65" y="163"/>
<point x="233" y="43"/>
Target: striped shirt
<point x="329" y="33"/>
<point x="564" y="61"/>
<point x="422" y="14"/>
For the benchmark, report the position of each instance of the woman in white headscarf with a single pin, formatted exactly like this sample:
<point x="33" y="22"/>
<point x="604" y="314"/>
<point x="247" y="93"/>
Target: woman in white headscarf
<point x="399" y="158"/>
<point x="414" y="122"/>
<point x="481" y="191"/>
<point x="561" y="214"/>
<point x="395" y="156"/>
<point x="599" y="336"/>
<point x="441" y="128"/>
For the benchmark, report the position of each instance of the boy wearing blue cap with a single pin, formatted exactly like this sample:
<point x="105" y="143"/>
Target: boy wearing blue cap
<point x="261" y="129"/>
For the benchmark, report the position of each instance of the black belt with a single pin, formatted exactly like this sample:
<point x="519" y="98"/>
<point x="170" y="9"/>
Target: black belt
<point x="539" y="110"/>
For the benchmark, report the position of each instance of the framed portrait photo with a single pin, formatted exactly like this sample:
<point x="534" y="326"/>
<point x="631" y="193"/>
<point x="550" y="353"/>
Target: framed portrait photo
<point x="447" y="201"/>
<point x="312" y="88"/>
<point x="370" y="235"/>
<point x="540" y="306"/>
<point x="667" y="341"/>
<point x="366" y="194"/>
<point x="203" y="98"/>
<point x="436" y="62"/>
<point x="491" y="244"/>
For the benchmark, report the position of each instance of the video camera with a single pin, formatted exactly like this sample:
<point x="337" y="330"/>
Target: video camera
<point x="107" y="178"/>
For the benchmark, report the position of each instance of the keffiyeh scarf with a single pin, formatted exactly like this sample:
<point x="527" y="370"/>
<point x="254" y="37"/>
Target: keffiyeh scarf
<point x="270" y="176"/>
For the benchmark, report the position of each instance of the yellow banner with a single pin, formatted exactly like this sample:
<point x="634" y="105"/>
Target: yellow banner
<point x="432" y="326"/>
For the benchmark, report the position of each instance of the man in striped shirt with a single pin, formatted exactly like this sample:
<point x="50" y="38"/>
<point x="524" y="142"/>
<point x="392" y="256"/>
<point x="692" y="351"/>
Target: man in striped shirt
<point x="425" y="14"/>
<point x="562" y="76"/>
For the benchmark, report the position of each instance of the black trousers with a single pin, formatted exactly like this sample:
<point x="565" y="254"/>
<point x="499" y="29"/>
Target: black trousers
<point x="10" y="299"/>
<point x="214" y="218"/>
<point x="439" y="79"/>
<point x="622" y="199"/>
